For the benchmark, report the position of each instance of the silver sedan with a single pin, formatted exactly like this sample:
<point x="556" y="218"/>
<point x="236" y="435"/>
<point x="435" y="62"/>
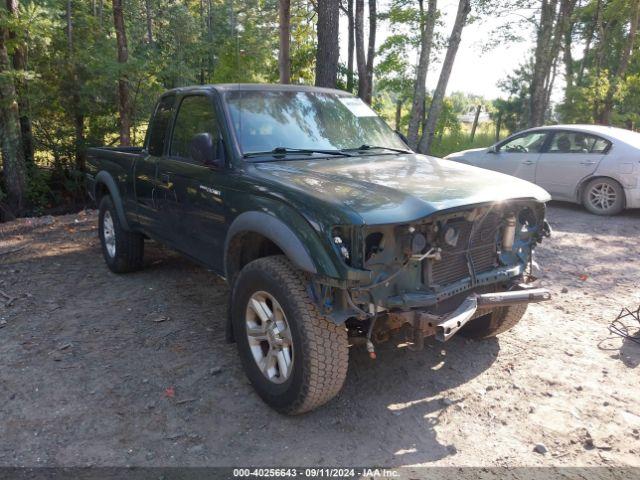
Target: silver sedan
<point x="593" y="165"/>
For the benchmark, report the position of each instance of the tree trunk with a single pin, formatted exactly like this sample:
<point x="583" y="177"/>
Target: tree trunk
<point x="589" y="39"/>
<point x="10" y="135"/>
<point x="427" y="25"/>
<point x="475" y="122"/>
<point x="498" y="126"/>
<point x="20" y="65"/>
<point x="555" y="26"/>
<point x="284" y="60"/>
<point x="398" y="114"/>
<point x="328" y="49"/>
<point x="371" y="50"/>
<point x="211" y="55"/>
<point x="542" y="65"/>
<point x="350" y="45"/>
<point x="77" y="115"/>
<point x="69" y="27"/>
<point x="149" y="15"/>
<point x="124" y="109"/>
<point x="464" y="8"/>
<point x="361" y="60"/>
<point x="566" y="49"/>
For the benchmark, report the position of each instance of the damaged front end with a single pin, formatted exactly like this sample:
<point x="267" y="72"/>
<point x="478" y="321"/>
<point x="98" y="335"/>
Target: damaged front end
<point x="434" y="275"/>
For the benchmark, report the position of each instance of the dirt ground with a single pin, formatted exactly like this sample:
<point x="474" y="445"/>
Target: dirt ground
<point x="100" y="369"/>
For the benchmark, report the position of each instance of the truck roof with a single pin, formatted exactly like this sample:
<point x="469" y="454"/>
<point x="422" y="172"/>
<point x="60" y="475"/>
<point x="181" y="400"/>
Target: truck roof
<point x="267" y="87"/>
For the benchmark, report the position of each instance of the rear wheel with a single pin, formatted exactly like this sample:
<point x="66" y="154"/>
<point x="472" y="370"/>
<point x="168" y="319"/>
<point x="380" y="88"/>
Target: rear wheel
<point x="122" y="250"/>
<point x="499" y="320"/>
<point x="603" y="196"/>
<point x="295" y="358"/>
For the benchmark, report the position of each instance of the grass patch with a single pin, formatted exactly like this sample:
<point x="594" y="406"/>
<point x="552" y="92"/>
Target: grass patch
<point x="458" y="142"/>
<point x="455" y="141"/>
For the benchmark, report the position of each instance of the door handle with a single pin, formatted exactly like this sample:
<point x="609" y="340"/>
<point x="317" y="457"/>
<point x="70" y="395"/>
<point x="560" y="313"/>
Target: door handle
<point x="590" y="162"/>
<point x="528" y="162"/>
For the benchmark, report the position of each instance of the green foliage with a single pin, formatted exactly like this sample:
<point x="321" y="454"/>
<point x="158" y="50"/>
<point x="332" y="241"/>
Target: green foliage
<point x="452" y="142"/>
<point x="39" y="193"/>
<point x="514" y="112"/>
<point x="599" y="89"/>
<point x="71" y="77"/>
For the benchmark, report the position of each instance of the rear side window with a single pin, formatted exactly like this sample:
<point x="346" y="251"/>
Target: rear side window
<point x="194" y="116"/>
<point x="601" y="146"/>
<point x="577" y="142"/>
<point x="158" y="126"/>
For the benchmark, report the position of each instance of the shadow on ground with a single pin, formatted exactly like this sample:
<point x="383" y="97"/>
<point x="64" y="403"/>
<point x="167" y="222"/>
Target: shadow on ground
<point x="104" y="369"/>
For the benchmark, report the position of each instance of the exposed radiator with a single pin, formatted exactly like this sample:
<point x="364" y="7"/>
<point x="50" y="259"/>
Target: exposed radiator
<point x="483" y="251"/>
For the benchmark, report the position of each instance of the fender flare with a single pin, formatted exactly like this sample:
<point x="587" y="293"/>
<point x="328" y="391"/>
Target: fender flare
<point x="276" y="231"/>
<point x="105" y="178"/>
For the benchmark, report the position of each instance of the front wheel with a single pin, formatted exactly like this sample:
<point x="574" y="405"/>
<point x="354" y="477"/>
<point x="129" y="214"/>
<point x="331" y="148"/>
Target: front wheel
<point x="294" y="357"/>
<point x="603" y="196"/>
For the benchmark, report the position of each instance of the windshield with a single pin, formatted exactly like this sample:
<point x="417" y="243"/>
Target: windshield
<point x="267" y="120"/>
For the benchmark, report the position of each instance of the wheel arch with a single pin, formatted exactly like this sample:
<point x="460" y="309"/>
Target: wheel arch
<point x="585" y="181"/>
<point x="253" y="235"/>
<point x="105" y="184"/>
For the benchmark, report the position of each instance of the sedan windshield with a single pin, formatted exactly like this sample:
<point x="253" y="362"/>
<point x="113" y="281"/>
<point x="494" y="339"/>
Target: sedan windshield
<point x="290" y="122"/>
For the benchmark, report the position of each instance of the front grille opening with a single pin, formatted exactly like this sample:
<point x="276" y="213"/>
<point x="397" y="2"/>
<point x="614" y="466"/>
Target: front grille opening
<point x="373" y="244"/>
<point x="479" y="242"/>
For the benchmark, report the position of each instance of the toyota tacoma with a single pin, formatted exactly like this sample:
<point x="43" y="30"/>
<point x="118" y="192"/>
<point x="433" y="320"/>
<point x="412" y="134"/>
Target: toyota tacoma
<point x="328" y="229"/>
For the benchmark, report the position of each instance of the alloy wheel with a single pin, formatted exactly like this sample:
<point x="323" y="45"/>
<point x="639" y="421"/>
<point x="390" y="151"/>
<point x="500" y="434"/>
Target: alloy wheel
<point x="269" y="337"/>
<point x="602" y="196"/>
<point x="109" y="234"/>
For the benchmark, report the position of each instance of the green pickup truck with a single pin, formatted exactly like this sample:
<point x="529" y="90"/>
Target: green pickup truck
<point x="329" y="230"/>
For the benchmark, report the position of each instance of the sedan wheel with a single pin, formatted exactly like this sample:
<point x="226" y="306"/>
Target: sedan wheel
<point x="603" y="196"/>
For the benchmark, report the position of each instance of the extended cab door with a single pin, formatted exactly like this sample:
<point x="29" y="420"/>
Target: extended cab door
<point x="571" y="157"/>
<point x="518" y="156"/>
<point x="147" y="188"/>
<point x="192" y="207"/>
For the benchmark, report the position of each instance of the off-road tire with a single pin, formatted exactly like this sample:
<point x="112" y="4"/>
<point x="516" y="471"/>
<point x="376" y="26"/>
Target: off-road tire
<point x="129" y="246"/>
<point x="616" y="207"/>
<point x="494" y="323"/>
<point x="320" y="347"/>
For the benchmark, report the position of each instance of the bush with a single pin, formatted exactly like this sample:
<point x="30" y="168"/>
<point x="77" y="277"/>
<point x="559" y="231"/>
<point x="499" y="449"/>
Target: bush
<point x="55" y="191"/>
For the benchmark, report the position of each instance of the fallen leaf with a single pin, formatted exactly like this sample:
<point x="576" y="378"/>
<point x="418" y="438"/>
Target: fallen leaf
<point x="169" y="392"/>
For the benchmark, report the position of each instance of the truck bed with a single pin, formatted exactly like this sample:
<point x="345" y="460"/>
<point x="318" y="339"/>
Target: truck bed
<point x="113" y="152"/>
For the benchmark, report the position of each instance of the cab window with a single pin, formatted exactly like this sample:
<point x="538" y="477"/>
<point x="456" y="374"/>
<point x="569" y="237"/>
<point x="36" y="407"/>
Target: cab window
<point x="195" y="116"/>
<point x="577" y="142"/>
<point x="157" y="130"/>
<point x="526" y="143"/>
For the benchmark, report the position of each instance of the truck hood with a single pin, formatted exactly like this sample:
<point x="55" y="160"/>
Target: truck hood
<point x="384" y="189"/>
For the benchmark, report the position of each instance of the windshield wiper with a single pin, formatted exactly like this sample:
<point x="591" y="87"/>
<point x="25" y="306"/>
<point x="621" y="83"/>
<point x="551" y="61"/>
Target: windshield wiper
<point x="286" y="150"/>
<point x="374" y="147"/>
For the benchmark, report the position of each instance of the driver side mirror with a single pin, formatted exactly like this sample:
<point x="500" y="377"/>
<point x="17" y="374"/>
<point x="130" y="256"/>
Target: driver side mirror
<point x="493" y="149"/>
<point x="207" y="150"/>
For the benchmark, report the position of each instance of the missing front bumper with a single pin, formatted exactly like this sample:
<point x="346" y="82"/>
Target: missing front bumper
<point x="443" y="327"/>
<point x="448" y="326"/>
